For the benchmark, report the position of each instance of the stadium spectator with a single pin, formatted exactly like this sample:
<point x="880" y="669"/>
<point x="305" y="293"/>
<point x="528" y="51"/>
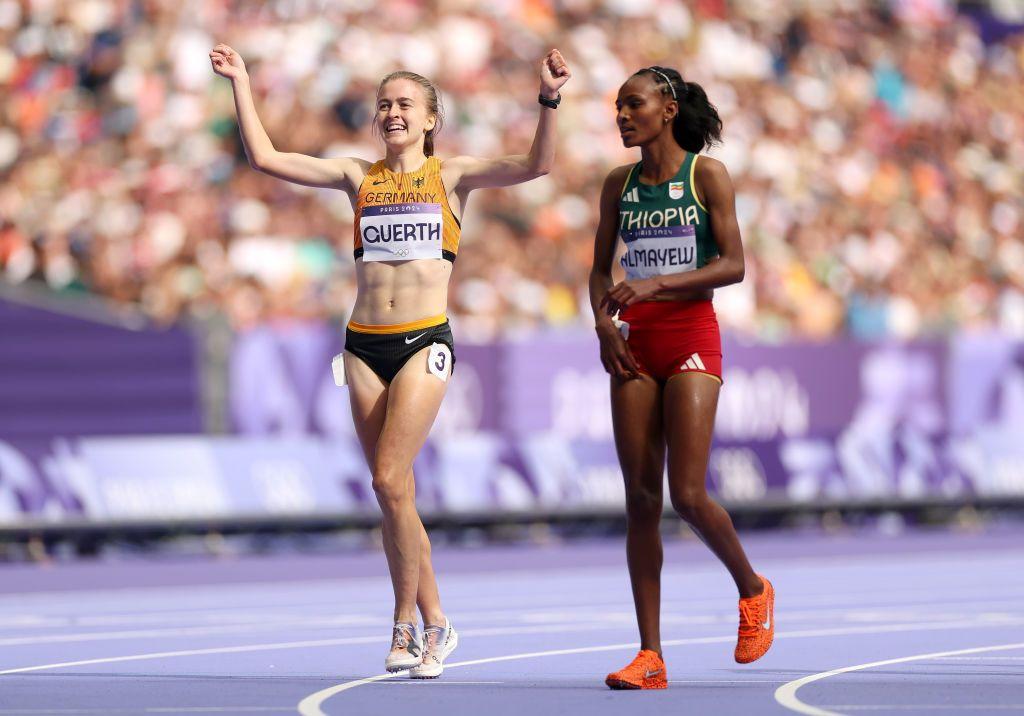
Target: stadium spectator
<point x="878" y="154"/>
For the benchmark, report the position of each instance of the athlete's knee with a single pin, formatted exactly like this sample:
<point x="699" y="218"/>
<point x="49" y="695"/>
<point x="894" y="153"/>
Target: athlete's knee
<point x="688" y="502"/>
<point x="392" y="487"/>
<point x="643" y="504"/>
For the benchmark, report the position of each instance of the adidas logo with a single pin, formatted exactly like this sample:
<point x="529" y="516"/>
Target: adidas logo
<point x="693" y="363"/>
<point x="633" y="195"/>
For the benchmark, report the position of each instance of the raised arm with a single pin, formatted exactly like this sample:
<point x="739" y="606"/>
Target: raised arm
<point x="464" y="174"/>
<point x="720" y="198"/>
<point x="615" y="354"/>
<point x="340" y="173"/>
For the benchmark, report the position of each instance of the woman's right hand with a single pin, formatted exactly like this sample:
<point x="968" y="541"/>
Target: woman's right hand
<point x="227" y="62"/>
<point x="616" y="357"/>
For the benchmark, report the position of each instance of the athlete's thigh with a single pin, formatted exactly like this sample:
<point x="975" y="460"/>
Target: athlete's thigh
<point x="691" y="400"/>
<point x="639" y="438"/>
<point x="414" y="397"/>
<point x="368" y="395"/>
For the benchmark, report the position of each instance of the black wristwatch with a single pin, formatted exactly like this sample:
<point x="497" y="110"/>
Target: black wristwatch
<point x="552" y="103"/>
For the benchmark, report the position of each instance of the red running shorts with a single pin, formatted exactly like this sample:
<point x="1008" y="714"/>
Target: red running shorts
<point x="672" y="337"/>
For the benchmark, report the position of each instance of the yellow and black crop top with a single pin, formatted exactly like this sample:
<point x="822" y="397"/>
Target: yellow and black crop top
<point x="405" y="216"/>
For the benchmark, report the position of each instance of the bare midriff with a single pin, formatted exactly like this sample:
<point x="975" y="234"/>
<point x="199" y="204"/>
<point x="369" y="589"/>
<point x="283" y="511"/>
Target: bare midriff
<point x="392" y="292"/>
<point x="694" y="295"/>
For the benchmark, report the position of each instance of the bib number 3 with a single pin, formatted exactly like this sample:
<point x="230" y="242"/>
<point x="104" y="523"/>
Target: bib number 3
<point x="439" y="361"/>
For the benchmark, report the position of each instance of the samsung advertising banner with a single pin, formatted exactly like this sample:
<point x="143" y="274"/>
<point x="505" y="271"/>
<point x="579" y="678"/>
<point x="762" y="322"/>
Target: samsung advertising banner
<point x="526" y="426"/>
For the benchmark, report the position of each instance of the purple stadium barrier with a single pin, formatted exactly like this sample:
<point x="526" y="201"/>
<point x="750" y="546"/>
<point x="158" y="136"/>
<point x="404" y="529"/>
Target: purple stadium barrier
<point x="525" y="427"/>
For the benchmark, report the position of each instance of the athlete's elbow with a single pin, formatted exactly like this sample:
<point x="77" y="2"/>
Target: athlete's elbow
<point x="537" y="165"/>
<point x="258" y="163"/>
<point x="738" y="271"/>
<point x="261" y="161"/>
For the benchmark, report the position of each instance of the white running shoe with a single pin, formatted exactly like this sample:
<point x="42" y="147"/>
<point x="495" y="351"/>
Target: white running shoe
<point x="438" y="643"/>
<point x="406" y="648"/>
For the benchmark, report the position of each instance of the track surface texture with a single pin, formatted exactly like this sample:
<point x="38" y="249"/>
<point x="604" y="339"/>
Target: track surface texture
<point x="916" y="623"/>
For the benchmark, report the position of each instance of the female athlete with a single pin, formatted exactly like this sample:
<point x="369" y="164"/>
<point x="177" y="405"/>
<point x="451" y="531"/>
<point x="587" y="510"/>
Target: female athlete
<point x="399" y="350"/>
<point x="675" y="213"/>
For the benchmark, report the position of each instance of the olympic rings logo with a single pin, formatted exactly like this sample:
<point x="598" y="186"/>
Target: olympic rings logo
<point x="402" y="252"/>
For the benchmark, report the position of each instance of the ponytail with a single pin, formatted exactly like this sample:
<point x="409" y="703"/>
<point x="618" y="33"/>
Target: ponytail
<point x="697" y="124"/>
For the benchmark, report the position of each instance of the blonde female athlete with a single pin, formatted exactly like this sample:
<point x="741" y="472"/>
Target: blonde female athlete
<point x="399" y="350"/>
<point x="677" y="219"/>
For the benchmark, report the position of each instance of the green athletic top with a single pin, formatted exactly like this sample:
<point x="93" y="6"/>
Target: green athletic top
<point x="664" y="226"/>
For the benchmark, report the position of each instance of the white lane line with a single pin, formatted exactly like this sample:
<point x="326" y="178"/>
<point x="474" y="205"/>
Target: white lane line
<point x="434" y="682"/>
<point x="786" y="694"/>
<point x="314" y="700"/>
<point x="294" y="625"/>
<point x="195" y="652"/>
<point x="556" y="619"/>
<point x="342" y="641"/>
<point x="162" y="613"/>
<point x="587" y="622"/>
<point x="859" y="613"/>
<point x="310" y="706"/>
<point x="496" y="631"/>
<point x="204" y="631"/>
<point x="1007" y="555"/>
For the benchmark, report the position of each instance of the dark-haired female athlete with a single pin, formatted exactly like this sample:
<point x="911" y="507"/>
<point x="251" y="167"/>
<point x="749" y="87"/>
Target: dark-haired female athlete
<point x="677" y="218"/>
<point x="399" y="350"/>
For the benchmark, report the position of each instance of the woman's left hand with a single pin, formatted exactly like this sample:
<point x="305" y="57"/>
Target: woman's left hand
<point x="626" y="293"/>
<point x="553" y="74"/>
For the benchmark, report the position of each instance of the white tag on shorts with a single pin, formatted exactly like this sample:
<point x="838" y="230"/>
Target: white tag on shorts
<point x="439" y="361"/>
<point x="338" y="368"/>
<point x="623" y="328"/>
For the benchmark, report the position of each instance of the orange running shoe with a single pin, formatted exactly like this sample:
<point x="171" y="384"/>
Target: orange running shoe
<point x="646" y="671"/>
<point x="757" y="625"/>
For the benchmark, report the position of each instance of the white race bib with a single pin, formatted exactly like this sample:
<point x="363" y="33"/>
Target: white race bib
<point x="439" y="361"/>
<point x="401" y="232"/>
<point x="658" y="251"/>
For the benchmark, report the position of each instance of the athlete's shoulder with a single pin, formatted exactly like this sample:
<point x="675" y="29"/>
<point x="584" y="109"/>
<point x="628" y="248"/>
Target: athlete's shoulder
<point x="712" y="185"/>
<point x="360" y="166"/>
<point x="706" y="167"/>
<point x="370" y="171"/>
<point x="614" y="183"/>
<point x="616" y="179"/>
<point x="619" y="174"/>
<point x="375" y="168"/>
<point x="458" y="163"/>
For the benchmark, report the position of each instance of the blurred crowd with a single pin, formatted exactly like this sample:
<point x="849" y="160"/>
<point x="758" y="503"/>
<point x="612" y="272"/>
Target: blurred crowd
<point x="877" y="149"/>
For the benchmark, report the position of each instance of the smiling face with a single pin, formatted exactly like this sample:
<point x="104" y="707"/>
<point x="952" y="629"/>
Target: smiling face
<point x="643" y="110"/>
<point x="403" y="116"/>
